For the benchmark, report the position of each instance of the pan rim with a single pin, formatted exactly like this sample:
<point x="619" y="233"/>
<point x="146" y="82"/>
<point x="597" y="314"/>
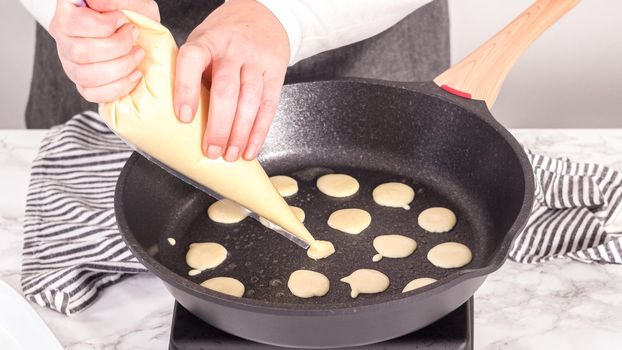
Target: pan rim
<point x="254" y="305"/>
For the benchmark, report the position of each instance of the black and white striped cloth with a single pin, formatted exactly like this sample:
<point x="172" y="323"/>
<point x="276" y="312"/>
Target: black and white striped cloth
<point x="72" y="248"/>
<point x="576" y="205"/>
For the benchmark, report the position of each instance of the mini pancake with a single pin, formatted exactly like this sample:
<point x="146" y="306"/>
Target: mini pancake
<point x="450" y="255"/>
<point x="226" y="211"/>
<point x="418" y="283"/>
<point x="337" y="185"/>
<point x="394" y="195"/>
<point x="351" y="220"/>
<point x="437" y="220"/>
<point x="287" y="186"/>
<point x="307" y="284"/>
<point x="320" y="250"/>
<point x="393" y="246"/>
<point x="205" y="255"/>
<point x="226" y="285"/>
<point x="366" y="281"/>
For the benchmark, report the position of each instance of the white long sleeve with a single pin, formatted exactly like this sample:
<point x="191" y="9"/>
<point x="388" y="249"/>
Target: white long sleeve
<point x="313" y="26"/>
<point x="41" y="10"/>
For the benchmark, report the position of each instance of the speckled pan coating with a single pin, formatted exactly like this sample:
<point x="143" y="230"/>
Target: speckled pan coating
<point x="450" y="150"/>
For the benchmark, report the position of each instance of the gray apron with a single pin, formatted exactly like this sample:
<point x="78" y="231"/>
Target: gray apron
<point x="415" y="49"/>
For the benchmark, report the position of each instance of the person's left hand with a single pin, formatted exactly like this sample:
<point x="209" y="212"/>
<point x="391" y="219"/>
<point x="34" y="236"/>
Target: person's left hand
<point x="242" y="50"/>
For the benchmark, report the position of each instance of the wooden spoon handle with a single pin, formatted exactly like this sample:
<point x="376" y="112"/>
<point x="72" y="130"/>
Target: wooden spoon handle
<point x="480" y="75"/>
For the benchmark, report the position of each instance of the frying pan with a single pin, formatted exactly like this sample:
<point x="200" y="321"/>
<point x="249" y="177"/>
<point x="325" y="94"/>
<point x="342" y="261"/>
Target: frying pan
<point x="442" y="141"/>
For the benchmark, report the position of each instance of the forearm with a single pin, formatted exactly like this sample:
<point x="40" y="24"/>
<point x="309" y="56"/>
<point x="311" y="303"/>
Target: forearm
<point x="314" y="26"/>
<point x="41" y="10"/>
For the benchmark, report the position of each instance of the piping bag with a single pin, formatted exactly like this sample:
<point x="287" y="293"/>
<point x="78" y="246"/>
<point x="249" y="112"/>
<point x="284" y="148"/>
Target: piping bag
<point x="145" y="119"/>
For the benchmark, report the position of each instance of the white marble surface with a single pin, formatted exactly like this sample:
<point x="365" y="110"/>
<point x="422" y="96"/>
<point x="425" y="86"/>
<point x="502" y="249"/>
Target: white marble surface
<point x="558" y="305"/>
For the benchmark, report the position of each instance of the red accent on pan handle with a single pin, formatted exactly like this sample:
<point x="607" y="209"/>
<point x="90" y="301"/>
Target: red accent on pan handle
<point x="482" y="73"/>
<point x="456" y="91"/>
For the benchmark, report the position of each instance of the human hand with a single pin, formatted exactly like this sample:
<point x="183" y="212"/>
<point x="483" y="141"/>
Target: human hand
<point x="242" y="50"/>
<point x="96" y="46"/>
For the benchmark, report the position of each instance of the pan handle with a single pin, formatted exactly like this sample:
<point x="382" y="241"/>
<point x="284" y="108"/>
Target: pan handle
<point x="480" y="75"/>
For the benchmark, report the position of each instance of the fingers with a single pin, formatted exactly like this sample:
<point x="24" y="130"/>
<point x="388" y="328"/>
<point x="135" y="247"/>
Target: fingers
<point x="251" y="87"/>
<point x="148" y="8"/>
<point x="89" y="50"/>
<point x="104" y="5"/>
<point x="92" y="75"/>
<point x="112" y="91"/>
<point x="235" y="96"/>
<point x="73" y="21"/>
<point x="191" y="62"/>
<point x="248" y="55"/>
<point x="224" y="95"/>
<point x="96" y="46"/>
<point x="273" y="82"/>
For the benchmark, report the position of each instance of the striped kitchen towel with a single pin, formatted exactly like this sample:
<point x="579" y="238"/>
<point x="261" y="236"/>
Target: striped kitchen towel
<point x="72" y="248"/>
<point x="575" y="213"/>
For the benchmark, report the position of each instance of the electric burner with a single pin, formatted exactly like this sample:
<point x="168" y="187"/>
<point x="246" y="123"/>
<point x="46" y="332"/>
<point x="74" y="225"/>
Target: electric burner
<point x="454" y="331"/>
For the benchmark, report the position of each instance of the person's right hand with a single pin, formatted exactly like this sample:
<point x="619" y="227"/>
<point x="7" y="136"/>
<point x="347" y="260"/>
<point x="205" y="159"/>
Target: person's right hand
<point x="96" y="46"/>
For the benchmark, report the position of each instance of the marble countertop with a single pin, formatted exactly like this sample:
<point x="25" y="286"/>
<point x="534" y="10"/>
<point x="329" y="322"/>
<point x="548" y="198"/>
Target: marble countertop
<point x="557" y="305"/>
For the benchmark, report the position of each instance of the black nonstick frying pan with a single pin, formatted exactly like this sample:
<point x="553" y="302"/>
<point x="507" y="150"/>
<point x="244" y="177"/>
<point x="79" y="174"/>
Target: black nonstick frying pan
<point x="449" y="148"/>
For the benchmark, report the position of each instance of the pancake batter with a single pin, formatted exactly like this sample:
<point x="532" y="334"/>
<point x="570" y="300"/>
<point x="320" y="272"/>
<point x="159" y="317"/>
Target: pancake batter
<point x="225" y="285"/>
<point x="418" y="283"/>
<point x="352" y="220"/>
<point x="171" y="241"/>
<point x="394" y="195"/>
<point x="320" y="250"/>
<point x="307" y="284"/>
<point x="226" y="211"/>
<point x="146" y="117"/>
<point x="205" y="255"/>
<point x="337" y="185"/>
<point x="450" y="255"/>
<point x="300" y="214"/>
<point x="366" y="281"/>
<point x="287" y="186"/>
<point x="393" y="246"/>
<point x="437" y="220"/>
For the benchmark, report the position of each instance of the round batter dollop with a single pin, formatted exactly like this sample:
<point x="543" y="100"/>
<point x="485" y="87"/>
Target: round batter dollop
<point x="320" y="250"/>
<point x="287" y="186"/>
<point x="226" y="211"/>
<point x="450" y="255"/>
<point x="418" y="283"/>
<point x="337" y="185"/>
<point x="300" y="214"/>
<point x="437" y="220"/>
<point x="205" y="255"/>
<point x="307" y="284"/>
<point x="394" y="195"/>
<point x="226" y="285"/>
<point x="366" y="281"/>
<point x="352" y="220"/>
<point x="393" y="246"/>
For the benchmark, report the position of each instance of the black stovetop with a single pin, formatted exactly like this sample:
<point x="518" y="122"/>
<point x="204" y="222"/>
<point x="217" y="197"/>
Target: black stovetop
<point x="454" y="331"/>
